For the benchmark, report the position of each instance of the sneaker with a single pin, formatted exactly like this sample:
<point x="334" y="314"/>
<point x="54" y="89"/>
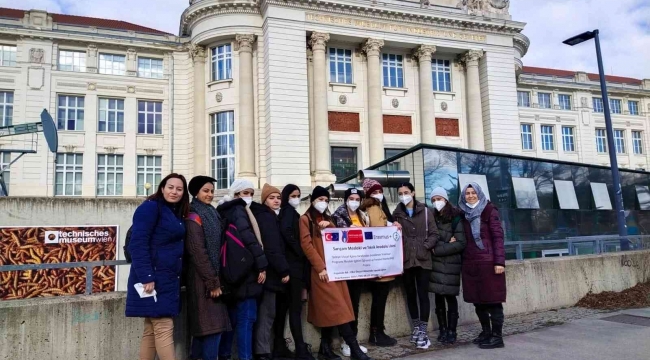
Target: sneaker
<point x="345" y="349"/>
<point x="423" y="340"/>
<point x="415" y="333"/>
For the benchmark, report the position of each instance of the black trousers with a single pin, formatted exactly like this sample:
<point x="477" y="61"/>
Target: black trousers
<point x="345" y="331"/>
<point x="416" y="285"/>
<point x="290" y="301"/>
<point x="379" y="292"/>
<point x="491" y="313"/>
<point x="451" y="306"/>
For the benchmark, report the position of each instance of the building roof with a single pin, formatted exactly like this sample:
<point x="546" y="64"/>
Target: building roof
<point x="566" y="73"/>
<point x="86" y="21"/>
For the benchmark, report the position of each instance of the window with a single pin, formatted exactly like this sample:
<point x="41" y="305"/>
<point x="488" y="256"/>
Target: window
<point x="565" y="101"/>
<point x="222" y="62"/>
<point x="112" y="64"/>
<point x="7" y="55"/>
<point x="601" y="141"/>
<point x="395" y="165"/>
<point x="544" y="100"/>
<point x="441" y="71"/>
<point x="523" y="98"/>
<point x="150" y="68"/>
<point x="68" y="174"/>
<point x="526" y="137"/>
<point x="6" y="108"/>
<point x="393" y="71"/>
<point x="72" y="61"/>
<point x="619" y="141"/>
<point x="637" y="142"/>
<point x="615" y="105"/>
<point x="110" y="175"/>
<point x="340" y="66"/>
<point x="149" y="172"/>
<point x="111" y="115"/>
<point x="71" y="112"/>
<point x="5" y="159"/>
<point x="598" y="105"/>
<point x="344" y="161"/>
<point x="548" y="143"/>
<point x="149" y="117"/>
<point x="633" y="107"/>
<point x="568" y="143"/>
<point x="222" y="145"/>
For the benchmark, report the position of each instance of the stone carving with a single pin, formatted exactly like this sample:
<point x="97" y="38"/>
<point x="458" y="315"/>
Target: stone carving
<point x="424" y="52"/>
<point x="197" y="52"/>
<point x="130" y="89"/>
<point x="92" y="86"/>
<point x="583" y="101"/>
<point x="536" y="117"/>
<point x="558" y="119"/>
<point x="424" y="4"/>
<point x="343" y="99"/>
<point x="373" y="46"/>
<point x="110" y="149"/>
<point x="471" y="56"/>
<point x="480" y="7"/>
<point x="444" y="106"/>
<point x="245" y="42"/>
<point x="69" y="148"/>
<point x="92" y="50"/>
<point x="219" y="97"/>
<point x="36" y="55"/>
<point x="318" y="40"/>
<point x="395" y="103"/>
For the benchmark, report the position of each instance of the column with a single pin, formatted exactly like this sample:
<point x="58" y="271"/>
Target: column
<point x="200" y="122"/>
<point x="92" y="63"/>
<point x="427" y="116"/>
<point x="372" y="48"/>
<point x="323" y="173"/>
<point x="246" y="133"/>
<point x="474" y="108"/>
<point x="131" y="62"/>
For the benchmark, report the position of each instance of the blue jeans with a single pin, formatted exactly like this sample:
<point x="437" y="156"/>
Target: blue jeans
<point x="205" y="347"/>
<point x="242" y="317"/>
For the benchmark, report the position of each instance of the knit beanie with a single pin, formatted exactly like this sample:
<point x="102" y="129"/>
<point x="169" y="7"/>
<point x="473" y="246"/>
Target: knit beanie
<point x="197" y="183"/>
<point x="440" y="192"/>
<point x="238" y="185"/>
<point x="267" y="190"/>
<point x="370" y="185"/>
<point x="351" y="191"/>
<point x="318" y="192"/>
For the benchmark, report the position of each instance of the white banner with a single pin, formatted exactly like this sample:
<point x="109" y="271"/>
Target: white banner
<point x="362" y="253"/>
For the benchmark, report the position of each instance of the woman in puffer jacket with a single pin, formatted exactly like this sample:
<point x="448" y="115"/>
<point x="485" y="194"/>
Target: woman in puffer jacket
<point x="444" y="281"/>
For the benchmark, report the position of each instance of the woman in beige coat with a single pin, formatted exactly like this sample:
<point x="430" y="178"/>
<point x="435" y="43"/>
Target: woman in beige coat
<point x="329" y="301"/>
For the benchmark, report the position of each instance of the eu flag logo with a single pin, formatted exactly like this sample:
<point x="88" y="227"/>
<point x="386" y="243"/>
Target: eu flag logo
<point x="367" y="235"/>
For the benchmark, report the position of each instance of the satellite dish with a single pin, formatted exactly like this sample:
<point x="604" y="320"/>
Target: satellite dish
<point x="50" y="131"/>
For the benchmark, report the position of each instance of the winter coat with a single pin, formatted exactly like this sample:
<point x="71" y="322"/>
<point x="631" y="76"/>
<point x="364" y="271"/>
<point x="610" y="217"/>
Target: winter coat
<point x="156" y="248"/>
<point x="419" y="235"/>
<point x="234" y="211"/>
<point x="206" y="316"/>
<point x="329" y="303"/>
<point x="376" y="215"/>
<point x="274" y="247"/>
<point x="341" y="217"/>
<point x="447" y="256"/>
<point x="480" y="284"/>
<point x="290" y="231"/>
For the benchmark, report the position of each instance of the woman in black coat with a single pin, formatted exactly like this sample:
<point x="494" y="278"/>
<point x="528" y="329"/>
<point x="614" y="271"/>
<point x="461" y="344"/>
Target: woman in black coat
<point x="444" y="280"/>
<point x="292" y="299"/>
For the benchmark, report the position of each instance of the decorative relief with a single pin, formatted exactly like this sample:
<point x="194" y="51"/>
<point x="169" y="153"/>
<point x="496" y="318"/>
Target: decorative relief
<point x="131" y="89"/>
<point x="481" y="7"/>
<point x="36" y="55"/>
<point x="75" y="85"/>
<point x="471" y="56"/>
<point x="69" y="148"/>
<point x="558" y="119"/>
<point x="150" y="151"/>
<point x="395" y="103"/>
<point x="92" y="86"/>
<point x="443" y="106"/>
<point x="536" y="117"/>
<point x="219" y="97"/>
<point x="343" y="121"/>
<point x="92" y="50"/>
<point x="245" y="42"/>
<point x="447" y="127"/>
<point x="424" y="52"/>
<point x="318" y="40"/>
<point x="397" y="124"/>
<point x="110" y="149"/>
<point x="373" y="46"/>
<point x="343" y="99"/>
<point x="151" y="91"/>
<point x="197" y="52"/>
<point x="583" y="101"/>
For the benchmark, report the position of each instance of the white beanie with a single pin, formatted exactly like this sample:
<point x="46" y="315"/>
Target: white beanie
<point x="237" y="186"/>
<point x="439" y="192"/>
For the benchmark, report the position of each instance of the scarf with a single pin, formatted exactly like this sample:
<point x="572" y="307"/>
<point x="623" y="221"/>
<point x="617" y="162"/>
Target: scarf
<point x="211" y="228"/>
<point x="474" y="215"/>
<point x="256" y="228"/>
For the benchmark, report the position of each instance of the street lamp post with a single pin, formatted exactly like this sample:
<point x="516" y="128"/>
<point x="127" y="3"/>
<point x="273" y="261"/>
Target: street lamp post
<point x="618" y="192"/>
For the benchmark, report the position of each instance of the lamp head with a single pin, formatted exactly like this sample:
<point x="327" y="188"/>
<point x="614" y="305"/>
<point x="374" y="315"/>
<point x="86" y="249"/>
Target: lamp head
<point x="578" y="39"/>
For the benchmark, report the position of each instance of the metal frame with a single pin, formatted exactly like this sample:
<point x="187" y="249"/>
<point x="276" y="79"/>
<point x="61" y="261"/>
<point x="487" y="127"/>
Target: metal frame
<point x="598" y="243"/>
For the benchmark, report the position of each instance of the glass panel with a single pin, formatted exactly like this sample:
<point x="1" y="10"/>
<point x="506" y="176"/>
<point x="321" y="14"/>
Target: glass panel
<point x="566" y="195"/>
<point x="601" y="196"/>
<point x="525" y="193"/>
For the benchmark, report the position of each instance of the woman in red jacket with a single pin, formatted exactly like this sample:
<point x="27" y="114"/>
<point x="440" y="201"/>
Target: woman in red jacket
<point x="483" y="269"/>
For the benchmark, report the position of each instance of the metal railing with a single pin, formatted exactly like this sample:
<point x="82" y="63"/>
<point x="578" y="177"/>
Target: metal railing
<point x="598" y="243"/>
<point x="88" y="265"/>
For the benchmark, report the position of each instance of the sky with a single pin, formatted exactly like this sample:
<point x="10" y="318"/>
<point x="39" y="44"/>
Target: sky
<point x="624" y="27"/>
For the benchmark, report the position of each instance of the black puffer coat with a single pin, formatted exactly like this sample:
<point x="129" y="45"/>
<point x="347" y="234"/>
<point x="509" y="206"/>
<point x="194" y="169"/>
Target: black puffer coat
<point x="273" y="246"/>
<point x="290" y="232"/>
<point x="447" y="256"/>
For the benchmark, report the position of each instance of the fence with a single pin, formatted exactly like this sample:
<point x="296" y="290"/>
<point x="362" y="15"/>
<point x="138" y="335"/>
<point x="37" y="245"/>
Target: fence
<point x="596" y="244"/>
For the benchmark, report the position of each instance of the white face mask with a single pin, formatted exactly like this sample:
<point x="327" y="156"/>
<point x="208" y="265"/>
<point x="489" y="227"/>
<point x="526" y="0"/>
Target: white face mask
<point x="320" y="206"/>
<point x="379" y="197"/>
<point x="295" y="202"/>
<point x="471" y="206"/>
<point x="247" y="199"/>
<point x="439" y="204"/>
<point x="405" y="199"/>
<point x="353" y="205"/>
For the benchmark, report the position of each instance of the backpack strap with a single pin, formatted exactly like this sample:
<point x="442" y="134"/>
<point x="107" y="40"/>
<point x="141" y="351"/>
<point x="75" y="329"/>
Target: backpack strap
<point x="196" y="218"/>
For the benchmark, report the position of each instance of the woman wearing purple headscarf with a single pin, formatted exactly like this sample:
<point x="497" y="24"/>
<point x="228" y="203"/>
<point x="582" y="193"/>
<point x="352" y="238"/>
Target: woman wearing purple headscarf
<point x="483" y="269"/>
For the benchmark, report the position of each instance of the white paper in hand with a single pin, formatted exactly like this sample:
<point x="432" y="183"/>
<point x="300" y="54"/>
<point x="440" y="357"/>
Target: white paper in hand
<point x="140" y="289"/>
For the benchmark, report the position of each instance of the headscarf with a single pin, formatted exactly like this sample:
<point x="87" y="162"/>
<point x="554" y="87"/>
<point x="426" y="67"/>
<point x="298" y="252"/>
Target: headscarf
<point x="286" y="192"/>
<point x="211" y="223"/>
<point x="474" y="215"/>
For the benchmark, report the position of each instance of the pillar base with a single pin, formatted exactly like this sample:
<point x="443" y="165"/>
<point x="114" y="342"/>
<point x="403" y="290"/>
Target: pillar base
<point x="324" y="179"/>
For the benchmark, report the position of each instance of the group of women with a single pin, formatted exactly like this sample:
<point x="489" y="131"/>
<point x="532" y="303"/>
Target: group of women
<point x="174" y="238"/>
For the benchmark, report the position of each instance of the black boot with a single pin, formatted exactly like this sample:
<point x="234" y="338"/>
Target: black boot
<point x="326" y="353"/>
<point x="379" y="338"/>
<point x="484" y="318"/>
<point x="281" y="350"/>
<point x="356" y="353"/>
<point x="303" y="352"/>
<point x="442" y="324"/>
<point x="452" y="317"/>
<point x="496" y="339"/>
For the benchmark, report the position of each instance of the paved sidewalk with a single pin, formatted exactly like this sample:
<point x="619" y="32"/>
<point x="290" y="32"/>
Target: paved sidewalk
<point x="589" y="338"/>
<point x="516" y="324"/>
